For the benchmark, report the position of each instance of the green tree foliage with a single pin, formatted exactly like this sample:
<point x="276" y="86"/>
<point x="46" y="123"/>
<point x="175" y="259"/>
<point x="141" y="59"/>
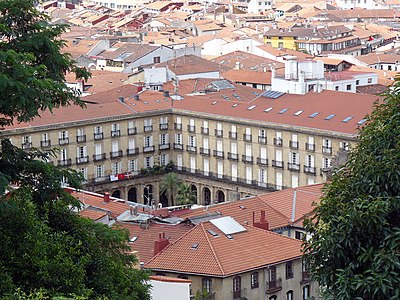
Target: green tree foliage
<point x="185" y="194"/>
<point x="32" y="68"/>
<point x="354" y="252"/>
<point x="169" y="184"/>
<point x="46" y="250"/>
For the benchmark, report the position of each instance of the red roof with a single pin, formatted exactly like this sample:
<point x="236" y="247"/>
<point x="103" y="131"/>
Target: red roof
<point x="282" y="207"/>
<point x="199" y="252"/>
<point x="146" y="236"/>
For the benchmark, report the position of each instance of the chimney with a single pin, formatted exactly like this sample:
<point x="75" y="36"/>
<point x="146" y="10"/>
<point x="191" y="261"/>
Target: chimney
<point x="106" y="197"/>
<point x="160" y="244"/>
<point x="263" y="224"/>
<point x="121" y="99"/>
<point x="136" y="97"/>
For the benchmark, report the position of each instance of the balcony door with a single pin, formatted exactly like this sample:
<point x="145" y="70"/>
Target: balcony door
<point x="237" y="287"/>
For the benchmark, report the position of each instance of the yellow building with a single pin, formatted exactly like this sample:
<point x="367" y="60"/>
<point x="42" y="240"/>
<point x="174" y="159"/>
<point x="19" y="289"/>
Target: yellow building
<point x="227" y="141"/>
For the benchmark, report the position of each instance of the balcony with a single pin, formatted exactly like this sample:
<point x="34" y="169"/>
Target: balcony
<point x="310" y="147"/>
<point x="218" y="154"/>
<point x="148" y="149"/>
<point x="81" y="138"/>
<point x="262" y="161"/>
<point x="178" y="126"/>
<point x="277" y="164"/>
<point x="310" y="170"/>
<point x="164" y="146"/>
<point x="278" y="142"/>
<point x="305" y="277"/>
<point x="293" y="145"/>
<point x="99" y="157"/>
<point x="219" y="133"/>
<point x="247" y="137"/>
<point x="148" y="128"/>
<point x="45" y="143"/>
<point x="115" y="133"/>
<point x="205" y="131"/>
<point x="116" y="154"/>
<point x="132" y="131"/>
<point x="247" y="159"/>
<point x="82" y="160"/>
<point x="26" y="146"/>
<point x="262" y="184"/>
<point x="98" y="136"/>
<point x="327" y="150"/>
<point x="132" y="151"/>
<point x="65" y="162"/>
<point x="233" y="135"/>
<point x="294" y="167"/>
<point x="205" y="151"/>
<point x="178" y="146"/>
<point x="262" y="139"/>
<point x="164" y="126"/>
<point x="239" y="294"/>
<point x="191" y="128"/>
<point x="325" y="171"/>
<point x="233" y="156"/>
<point x="63" y="141"/>
<point x="274" y="286"/>
<point x="191" y="149"/>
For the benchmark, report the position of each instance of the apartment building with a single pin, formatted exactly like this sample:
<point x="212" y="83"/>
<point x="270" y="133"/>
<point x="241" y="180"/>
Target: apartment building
<point x="227" y="141"/>
<point x="231" y="261"/>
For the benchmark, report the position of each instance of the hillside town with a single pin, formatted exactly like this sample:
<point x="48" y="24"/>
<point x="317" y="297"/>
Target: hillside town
<point x="252" y="104"/>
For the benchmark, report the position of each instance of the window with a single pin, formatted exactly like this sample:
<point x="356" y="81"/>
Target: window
<point x="357" y="82"/>
<point x="348" y="87"/>
<point x="116" y="168"/>
<point x="206" y="285"/>
<point x="236" y="287"/>
<point x="289" y="295"/>
<point x="99" y="171"/>
<point x="164" y="159"/>
<point x="81" y="152"/>
<point x="289" y="270"/>
<point x="83" y="171"/>
<point x="306" y="292"/>
<point x="178" y="138"/>
<point x="298" y="235"/>
<point x="156" y="59"/>
<point x="148" y="141"/>
<point x="163" y="138"/>
<point x="98" y="129"/>
<point x="132" y="165"/>
<point x="254" y="280"/>
<point x="336" y="87"/>
<point x="369" y="80"/>
<point x="148" y="161"/>
<point x="326" y="162"/>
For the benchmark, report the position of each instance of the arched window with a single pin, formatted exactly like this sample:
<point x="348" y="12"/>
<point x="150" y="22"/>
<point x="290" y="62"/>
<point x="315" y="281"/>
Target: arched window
<point x="289" y="295"/>
<point x="254" y="280"/>
<point x="237" y="287"/>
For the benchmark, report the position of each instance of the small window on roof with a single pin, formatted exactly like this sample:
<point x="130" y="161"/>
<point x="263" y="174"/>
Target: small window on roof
<point x="234" y="105"/>
<point x="251" y="107"/>
<point x="283" y="110"/>
<point x="298" y="113"/>
<point x="361" y="121"/>
<point x="313" y="115"/>
<point x="195" y="246"/>
<point x="330" y="117"/>
<point x="268" y="109"/>
<point x="215" y="102"/>
<point x="347" y="119"/>
<point x="133" y="239"/>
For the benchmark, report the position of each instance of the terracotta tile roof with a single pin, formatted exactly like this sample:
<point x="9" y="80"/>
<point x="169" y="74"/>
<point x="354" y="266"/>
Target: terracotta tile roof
<point x="376" y="58"/>
<point x="190" y="64"/>
<point x="114" y="207"/>
<point x="170" y="279"/>
<point x="363" y="13"/>
<point x="248" y="61"/>
<point x="78" y="47"/>
<point x="92" y="214"/>
<point x="341" y="104"/>
<point x="248" y="76"/>
<point x="284" y="52"/>
<point x="131" y="50"/>
<point x="146" y="236"/>
<point x="330" y="61"/>
<point x="344" y="75"/>
<point x="374" y="89"/>
<point x="384" y="77"/>
<point x="198" y="252"/>
<point x="278" y="206"/>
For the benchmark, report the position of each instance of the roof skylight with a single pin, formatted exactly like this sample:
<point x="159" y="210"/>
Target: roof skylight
<point x="330" y="117"/>
<point x="283" y="110"/>
<point x="347" y="119"/>
<point x="313" y="115"/>
<point x="268" y="109"/>
<point x="251" y="107"/>
<point x="361" y="121"/>
<point x="298" y="113"/>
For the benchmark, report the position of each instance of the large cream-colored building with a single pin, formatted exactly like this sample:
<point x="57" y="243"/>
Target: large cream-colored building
<point x="227" y="141"/>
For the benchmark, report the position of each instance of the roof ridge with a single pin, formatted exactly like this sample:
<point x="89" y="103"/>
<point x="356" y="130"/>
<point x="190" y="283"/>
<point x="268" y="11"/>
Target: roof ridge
<point x="271" y="232"/>
<point x="212" y="249"/>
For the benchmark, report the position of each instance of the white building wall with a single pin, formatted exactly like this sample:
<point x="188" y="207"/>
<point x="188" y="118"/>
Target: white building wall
<point x="199" y="75"/>
<point x="247" y="45"/>
<point x="169" y="290"/>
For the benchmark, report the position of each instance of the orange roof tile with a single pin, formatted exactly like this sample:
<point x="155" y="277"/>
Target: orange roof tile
<point x="279" y="207"/>
<point x="198" y="252"/>
<point x="92" y="214"/>
<point x="146" y="237"/>
<point x="248" y="76"/>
